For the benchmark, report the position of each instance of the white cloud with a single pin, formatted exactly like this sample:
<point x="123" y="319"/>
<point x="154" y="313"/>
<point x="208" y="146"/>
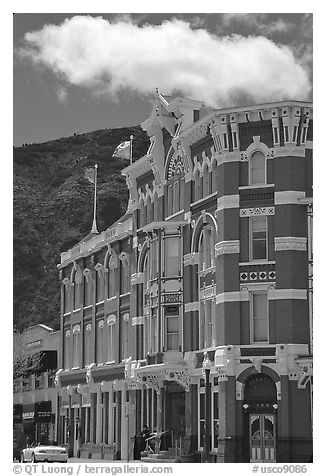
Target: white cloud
<point x="62" y="94"/>
<point x="114" y="57"/>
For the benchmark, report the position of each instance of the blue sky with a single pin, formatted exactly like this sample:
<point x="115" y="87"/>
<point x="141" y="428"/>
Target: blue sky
<point x="80" y="72"/>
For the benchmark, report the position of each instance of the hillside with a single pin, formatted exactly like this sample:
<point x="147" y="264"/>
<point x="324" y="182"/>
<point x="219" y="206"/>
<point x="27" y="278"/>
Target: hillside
<point x="53" y="210"/>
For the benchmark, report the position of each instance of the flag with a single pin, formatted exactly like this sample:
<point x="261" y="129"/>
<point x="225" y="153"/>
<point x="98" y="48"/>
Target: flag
<point x="123" y="151"/>
<point x="90" y="175"/>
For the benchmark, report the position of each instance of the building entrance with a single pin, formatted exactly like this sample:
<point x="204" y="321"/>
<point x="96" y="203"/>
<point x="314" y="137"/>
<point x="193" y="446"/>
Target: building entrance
<point x="260" y="418"/>
<point x="262" y="438"/>
<point x="175" y="413"/>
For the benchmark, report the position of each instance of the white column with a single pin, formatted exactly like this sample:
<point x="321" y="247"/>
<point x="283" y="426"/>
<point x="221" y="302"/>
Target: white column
<point x="110" y="412"/>
<point x="124" y="425"/>
<point x="99" y="417"/>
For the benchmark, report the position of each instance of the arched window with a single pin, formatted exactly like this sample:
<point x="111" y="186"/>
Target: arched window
<point x="206" y="290"/>
<point x="206" y="248"/>
<point x="155" y="207"/>
<point x="76" y="346"/>
<point x="257" y="168"/>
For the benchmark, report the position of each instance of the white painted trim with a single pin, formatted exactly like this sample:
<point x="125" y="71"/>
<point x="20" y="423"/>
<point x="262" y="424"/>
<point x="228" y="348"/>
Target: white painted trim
<point x="248" y="187"/>
<point x="191" y="306"/>
<point x="292" y="243"/>
<point x="289" y="150"/>
<point x="227" y="247"/>
<point x="228" y="201"/>
<point x="289" y="197"/>
<point x="256" y="212"/>
<point x="231" y="296"/>
<point x="287" y="294"/>
<point x="137" y="320"/>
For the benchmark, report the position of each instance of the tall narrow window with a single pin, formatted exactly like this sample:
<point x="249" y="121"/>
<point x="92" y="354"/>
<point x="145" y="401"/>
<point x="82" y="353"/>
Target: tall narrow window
<point x="66" y="350"/>
<point x="198" y="185"/>
<point x="258" y="238"/>
<point x="124" y="273"/>
<point x="170" y="200"/>
<point x="206" y="248"/>
<point x="153" y="330"/>
<point x="99" y="342"/>
<point x="111" y="338"/>
<point x="99" y="282"/>
<point x="88" y="344"/>
<point x="111" y="282"/>
<point x="124" y="337"/>
<point x="78" y="282"/>
<point x="171" y="255"/>
<point x="172" y="327"/>
<point x="214" y="175"/>
<point x="88" y="287"/>
<point x="76" y="346"/>
<point x="206" y="181"/>
<point x="259" y="317"/>
<point x="176" y="197"/>
<point x="257" y="175"/>
<point x="66" y="295"/>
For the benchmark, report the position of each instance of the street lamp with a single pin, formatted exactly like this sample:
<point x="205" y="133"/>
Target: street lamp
<point x="206" y="370"/>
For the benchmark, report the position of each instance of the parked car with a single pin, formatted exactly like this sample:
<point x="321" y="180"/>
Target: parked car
<point x="44" y="453"/>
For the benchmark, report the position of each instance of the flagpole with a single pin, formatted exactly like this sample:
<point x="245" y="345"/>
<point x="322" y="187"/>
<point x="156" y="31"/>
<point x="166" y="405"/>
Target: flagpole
<point x="94" y="227"/>
<point x="131" y="139"/>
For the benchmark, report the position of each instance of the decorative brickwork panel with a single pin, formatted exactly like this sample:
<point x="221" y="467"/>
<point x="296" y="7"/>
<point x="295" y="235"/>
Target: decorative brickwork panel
<point x="257" y="273"/>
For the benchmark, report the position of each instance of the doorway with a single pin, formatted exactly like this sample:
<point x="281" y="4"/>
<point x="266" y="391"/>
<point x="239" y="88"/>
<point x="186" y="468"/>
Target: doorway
<point x="175" y="413"/>
<point x="262" y="438"/>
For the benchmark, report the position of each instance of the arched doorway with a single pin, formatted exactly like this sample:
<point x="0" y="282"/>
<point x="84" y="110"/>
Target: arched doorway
<point x="260" y="406"/>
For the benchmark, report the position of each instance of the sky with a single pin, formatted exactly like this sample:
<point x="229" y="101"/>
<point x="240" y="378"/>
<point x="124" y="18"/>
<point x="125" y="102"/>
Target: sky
<point x="79" y="72"/>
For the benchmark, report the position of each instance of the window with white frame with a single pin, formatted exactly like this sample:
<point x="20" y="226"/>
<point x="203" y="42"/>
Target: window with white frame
<point x="153" y="331"/>
<point x="66" y="295"/>
<point x="88" y="344"/>
<point x="99" y="342"/>
<point x="257" y="168"/>
<point x="67" y="350"/>
<point x="77" y="287"/>
<point x="198" y="186"/>
<point x="172" y="255"/>
<point x="76" y="346"/>
<point x="258" y="238"/>
<point x="124" y="273"/>
<point x="206" y="248"/>
<point x="172" y="327"/>
<point x="206" y="181"/>
<point x="206" y="316"/>
<point x="88" y="287"/>
<point x="111" y="337"/>
<point x="259" y="317"/>
<point x="99" y="282"/>
<point x="124" y="338"/>
<point x="111" y="282"/>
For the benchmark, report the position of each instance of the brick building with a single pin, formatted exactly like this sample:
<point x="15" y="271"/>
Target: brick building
<point x="35" y="395"/>
<point x="210" y="268"/>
